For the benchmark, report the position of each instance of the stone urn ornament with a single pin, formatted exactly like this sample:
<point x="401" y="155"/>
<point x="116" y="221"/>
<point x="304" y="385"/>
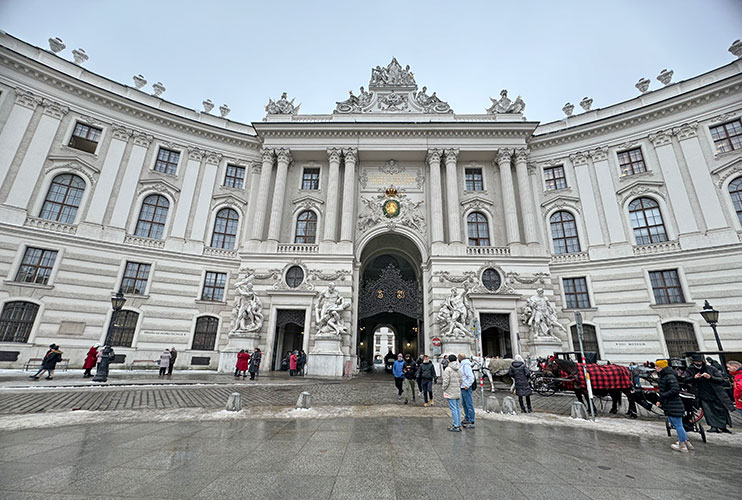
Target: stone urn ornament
<point x="736" y="49"/>
<point x="568" y="109"/>
<point x="643" y="85"/>
<point x="57" y="45"/>
<point x="80" y="56"/>
<point x="224" y="110"/>
<point x="208" y="105"/>
<point x="159" y="89"/>
<point x="139" y="81"/>
<point x="586" y="103"/>
<point x="665" y="76"/>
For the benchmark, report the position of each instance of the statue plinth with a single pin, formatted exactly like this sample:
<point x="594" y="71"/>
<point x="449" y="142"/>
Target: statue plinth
<point x="457" y="345"/>
<point x="238" y="340"/>
<point x="326" y="358"/>
<point x="543" y="346"/>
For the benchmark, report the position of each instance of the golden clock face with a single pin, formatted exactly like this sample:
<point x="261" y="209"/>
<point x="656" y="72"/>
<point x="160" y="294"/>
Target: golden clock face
<point x="391" y="208"/>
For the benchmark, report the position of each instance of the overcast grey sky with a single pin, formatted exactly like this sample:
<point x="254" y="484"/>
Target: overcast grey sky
<point x="243" y="52"/>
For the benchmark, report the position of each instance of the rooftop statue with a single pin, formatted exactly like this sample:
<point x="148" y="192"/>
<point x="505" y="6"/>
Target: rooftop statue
<point x="392" y="76"/>
<point x="282" y="106"/>
<point x="505" y="105"/>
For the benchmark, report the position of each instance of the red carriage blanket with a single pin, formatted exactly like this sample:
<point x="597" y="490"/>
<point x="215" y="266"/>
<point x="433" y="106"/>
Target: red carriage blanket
<point x="604" y="376"/>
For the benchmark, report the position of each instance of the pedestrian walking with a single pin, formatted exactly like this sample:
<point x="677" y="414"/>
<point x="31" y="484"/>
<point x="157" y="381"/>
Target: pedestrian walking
<point x="301" y="363"/>
<point x="90" y="360"/>
<point x="173" y="357"/>
<point x="49" y="363"/>
<point x="398" y="373"/>
<point x="426" y="377"/>
<point x="735" y="370"/>
<point x="467" y="383"/>
<point x="708" y="385"/>
<point x="410" y="374"/>
<point x="519" y="372"/>
<point x="671" y="404"/>
<point x="293" y="360"/>
<point x="419" y="362"/>
<point x="164" y="362"/>
<point x="243" y="358"/>
<point x="254" y="363"/>
<point x="452" y="392"/>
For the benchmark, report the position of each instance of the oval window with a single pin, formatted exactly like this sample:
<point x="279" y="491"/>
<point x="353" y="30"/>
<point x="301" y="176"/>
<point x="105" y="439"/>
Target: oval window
<point x="491" y="279"/>
<point x="294" y="276"/>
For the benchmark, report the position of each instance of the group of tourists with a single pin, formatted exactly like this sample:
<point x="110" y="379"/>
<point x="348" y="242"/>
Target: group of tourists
<point x="247" y="362"/>
<point x="167" y="361"/>
<point x="295" y="363"/>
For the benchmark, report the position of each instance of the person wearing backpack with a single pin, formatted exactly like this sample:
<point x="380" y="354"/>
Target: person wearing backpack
<point x="467" y="384"/>
<point x="425" y="377"/>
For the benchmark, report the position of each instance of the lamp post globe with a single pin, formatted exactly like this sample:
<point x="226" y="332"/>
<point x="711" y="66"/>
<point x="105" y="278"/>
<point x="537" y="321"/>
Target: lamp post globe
<point x="101" y="372"/>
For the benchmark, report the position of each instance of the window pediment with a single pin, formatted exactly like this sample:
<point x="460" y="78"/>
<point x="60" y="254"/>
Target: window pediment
<point x="561" y="201"/>
<point x="727" y="170"/>
<point x="307" y="202"/>
<point x="159" y="185"/>
<point x="74" y="164"/>
<point x="639" y="187"/>
<point x="476" y="203"/>
<point x="228" y="199"/>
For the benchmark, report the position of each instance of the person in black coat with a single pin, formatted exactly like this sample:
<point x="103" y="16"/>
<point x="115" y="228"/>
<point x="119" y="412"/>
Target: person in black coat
<point x="49" y="363"/>
<point x="671" y="404"/>
<point x="425" y="378"/>
<point x="519" y="372"/>
<point x="410" y="374"/>
<point x="708" y="385"/>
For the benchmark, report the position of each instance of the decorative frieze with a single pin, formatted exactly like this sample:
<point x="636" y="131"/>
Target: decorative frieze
<point x="317" y="275"/>
<point x="140" y="241"/>
<point x="49" y="225"/>
<point x="300" y="248"/>
<point x="654" y="248"/>
<point x="514" y="277"/>
<point x="487" y="251"/>
<point x="565" y="258"/>
<point x="220" y="252"/>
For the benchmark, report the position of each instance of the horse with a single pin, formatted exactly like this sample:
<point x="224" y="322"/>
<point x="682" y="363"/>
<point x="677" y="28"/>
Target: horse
<point x="494" y="369"/>
<point x="607" y="380"/>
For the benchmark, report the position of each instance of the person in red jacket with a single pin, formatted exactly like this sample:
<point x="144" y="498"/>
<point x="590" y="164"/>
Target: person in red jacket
<point x="243" y="357"/>
<point x="91" y="360"/>
<point x="735" y="370"/>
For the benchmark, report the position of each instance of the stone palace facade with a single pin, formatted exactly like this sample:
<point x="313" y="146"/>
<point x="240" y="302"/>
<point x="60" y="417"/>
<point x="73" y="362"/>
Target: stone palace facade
<point x="314" y="231"/>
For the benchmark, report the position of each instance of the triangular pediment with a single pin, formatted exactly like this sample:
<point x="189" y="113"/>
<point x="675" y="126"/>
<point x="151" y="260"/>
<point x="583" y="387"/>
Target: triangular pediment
<point x="229" y="198"/>
<point x="72" y="159"/>
<point x="476" y="201"/>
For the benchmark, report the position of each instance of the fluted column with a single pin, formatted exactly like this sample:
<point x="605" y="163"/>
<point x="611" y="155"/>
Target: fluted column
<point x="261" y="203"/>
<point x="283" y="157"/>
<point x="349" y="187"/>
<point x="508" y="195"/>
<point x="530" y="226"/>
<point x="436" y="197"/>
<point x="331" y="202"/>
<point x="452" y="196"/>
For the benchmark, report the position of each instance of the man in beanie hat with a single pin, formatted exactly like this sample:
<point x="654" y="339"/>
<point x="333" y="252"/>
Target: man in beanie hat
<point x="671" y="404"/>
<point x="708" y="385"/>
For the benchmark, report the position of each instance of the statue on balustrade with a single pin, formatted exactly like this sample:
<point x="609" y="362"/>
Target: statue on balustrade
<point x="505" y="105"/>
<point x="282" y="106"/>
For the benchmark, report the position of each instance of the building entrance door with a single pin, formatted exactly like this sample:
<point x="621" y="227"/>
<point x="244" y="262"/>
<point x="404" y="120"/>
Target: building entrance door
<point x="496" y="335"/>
<point x="289" y="334"/>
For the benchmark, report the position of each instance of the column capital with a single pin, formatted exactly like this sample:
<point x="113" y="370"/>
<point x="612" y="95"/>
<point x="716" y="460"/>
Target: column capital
<point x="504" y="155"/>
<point x="661" y="138"/>
<point x="434" y="155"/>
<point x="120" y="132"/>
<point x="142" y="139"/>
<point x="267" y="154"/>
<point x="599" y="154"/>
<point x="351" y="154"/>
<point x="521" y="155"/>
<point x="54" y="109"/>
<point x="333" y="154"/>
<point x="255" y="168"/>
<point x="451" y="154"/>
<point x="213" y="158"/>
<point x="685" y="131"/>
<point x="578" y="159"/>
<point x="283" y="155"/>
<point x="26" y="98"/>
<point x="195" y="154"/>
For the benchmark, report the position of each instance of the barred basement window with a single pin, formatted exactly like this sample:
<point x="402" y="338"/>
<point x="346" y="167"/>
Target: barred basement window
<point x="235" y="177"/>
<point x="204" y="337"/>
<point x="564" y="232"/>
<point x="735" y="191"/>
<point x="478" y="230"/>
<point x="666" y="287"/>
<point x="646" y="220"/>
<point x="16" y="321"/>
<point x="63" y="199"/>
<point x="36" y="266"/>
<point x="214" y="284"/>
<point x="135" y="278"/>
<point x="679" y="338"/>
<point x="85" y="138"/>
<point x="555" y="179"/>
<point x="152" y="217"/>
<point x="631" y="162"/>
<point x="310" y="179"/>
<point x="575" y="292"/>
<point x="225" y="229"/>
<point x="294" y="276"/>
<point x="491" y="279"/>
<point x="306" y="228"/>
<point x="728" y="136"/>
<point x="122" y="333"/>
<point x="474" y="180"/>
<point x="167" y="161"/>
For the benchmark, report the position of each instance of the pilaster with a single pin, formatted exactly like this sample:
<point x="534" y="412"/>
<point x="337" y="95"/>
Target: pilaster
<point x="530" y="226"/>
<point x="452" y="196"/>
<point x="436" y="196"/>
<point x="283" y="157"/>
<point x="349" y="189"/>
<point x="261" y="202"/>
<point x="331" y="202"/>
<point x="15" y="128"/>
<point x="504" y="156"/>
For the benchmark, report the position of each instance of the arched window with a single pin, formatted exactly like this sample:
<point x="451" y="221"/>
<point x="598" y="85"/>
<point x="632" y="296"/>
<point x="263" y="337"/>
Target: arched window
<point x="735" y="191"/>
<point x="63" y="199"/>
<point x="478" y="230"/>
<point x="152" y="217"/>
<point x="679" y="338"/>
<point x="204" y="337"/>
<point x="589" y="340"/>
<point x="17" y="320"/>
<point x="646" y="220"/>
<point x="306" y="227"/>
<point x="122" y="334"/>
<point x="564" y="232"/>
<point x="225" y="229"/>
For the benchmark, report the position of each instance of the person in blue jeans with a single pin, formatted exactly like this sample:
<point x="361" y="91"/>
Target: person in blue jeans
<point x="452" y="391"/>
<point x="671" y="404"/>
<point x="467" y="381"/>
<point x="398" y="372"/>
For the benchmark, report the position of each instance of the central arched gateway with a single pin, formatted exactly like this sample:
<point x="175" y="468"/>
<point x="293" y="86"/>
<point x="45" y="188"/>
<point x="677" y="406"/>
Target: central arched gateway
<point x="390" y="295"/>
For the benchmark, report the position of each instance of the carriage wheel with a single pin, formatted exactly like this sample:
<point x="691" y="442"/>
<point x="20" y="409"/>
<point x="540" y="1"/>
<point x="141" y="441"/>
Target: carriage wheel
<point x="542" y="387"/>
<point x="668" y="426"/>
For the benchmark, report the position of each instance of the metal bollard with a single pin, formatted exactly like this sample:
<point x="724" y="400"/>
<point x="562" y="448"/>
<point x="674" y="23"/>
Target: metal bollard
<point x="578" y="411"/>
<point x="233" y="402"/>
<point x="493" y="405"/>
<point x="304" y="401"/>
<point x="508" y="405"/>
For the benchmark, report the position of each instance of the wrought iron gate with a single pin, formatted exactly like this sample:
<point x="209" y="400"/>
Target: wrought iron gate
<point x="390" y="293"/>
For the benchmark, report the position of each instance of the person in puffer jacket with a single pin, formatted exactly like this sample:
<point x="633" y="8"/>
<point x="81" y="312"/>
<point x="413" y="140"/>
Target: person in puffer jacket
<point x="426" y="376"/>
<point x="397" y="371"/>
<point x="452" y="391"/>
<point x="671" y="404"/>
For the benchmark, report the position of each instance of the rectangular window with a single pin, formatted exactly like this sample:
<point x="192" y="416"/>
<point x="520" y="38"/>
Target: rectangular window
<point x="36" y="266"/>
<point x="474" y="180"/>
<point x="135" y="278"/>
<point x="310" y="179"/>
<point x="575" y="292"/>
<point x="631" y="162"/>
<point x="727" y="137"/>
<point x="214" y="284"/>
<point x="235" y="177"/>
<point x="167" y="161"/>
<point x="85" y="138"/>
<point x="666" y="287"/>
<point x="555" y="178"/>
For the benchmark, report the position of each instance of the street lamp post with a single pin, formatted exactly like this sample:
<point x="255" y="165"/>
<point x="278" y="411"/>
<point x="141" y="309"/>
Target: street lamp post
<point x="711" y="316"/>
<point x="101" y="371"/>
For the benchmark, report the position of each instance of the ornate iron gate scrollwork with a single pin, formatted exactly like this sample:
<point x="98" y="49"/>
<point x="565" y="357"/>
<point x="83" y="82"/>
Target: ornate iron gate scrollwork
<point x="390" y="293"/>
<point x="488" y="320"/>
